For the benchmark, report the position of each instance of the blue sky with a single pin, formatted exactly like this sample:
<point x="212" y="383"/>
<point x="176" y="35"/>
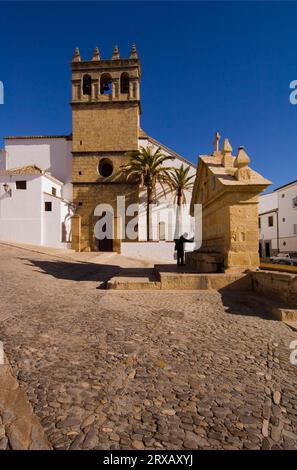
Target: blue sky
<point x="206" y="66"/>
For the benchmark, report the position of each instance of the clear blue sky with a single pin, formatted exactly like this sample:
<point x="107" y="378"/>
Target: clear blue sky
<point x="205" y="65"/>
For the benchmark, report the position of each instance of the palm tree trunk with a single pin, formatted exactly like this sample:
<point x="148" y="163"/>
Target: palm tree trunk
<point x="178" y="222"/>
<point x="149" y="212"/>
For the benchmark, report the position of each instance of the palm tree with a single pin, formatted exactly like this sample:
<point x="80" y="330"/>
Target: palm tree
<point x="147" y="166"/>
<point x="180" y="182"/>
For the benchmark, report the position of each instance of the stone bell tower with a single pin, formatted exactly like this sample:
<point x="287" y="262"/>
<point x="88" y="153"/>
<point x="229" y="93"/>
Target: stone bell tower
<point x="105" y="125"/>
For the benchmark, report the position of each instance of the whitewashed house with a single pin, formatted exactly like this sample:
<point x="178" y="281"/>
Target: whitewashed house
<point x="278" y="221"/>
<point x="35" y="191"/>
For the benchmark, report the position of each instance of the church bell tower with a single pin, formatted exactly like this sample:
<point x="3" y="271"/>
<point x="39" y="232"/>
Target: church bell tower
<point x="105" y="125"/>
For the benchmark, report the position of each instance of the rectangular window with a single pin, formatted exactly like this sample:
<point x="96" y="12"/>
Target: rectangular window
<point x="48" y="206"/>
<point x="54" y="191"/>
<point x="295" y="229"/>
<point x="295" y="202"/>
<point x="270" y="221"/>
<point x="259" y="222"/>
<point x="21" y="184"/>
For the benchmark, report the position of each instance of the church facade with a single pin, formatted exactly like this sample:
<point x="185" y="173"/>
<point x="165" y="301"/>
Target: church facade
<point x="106" y="109"/>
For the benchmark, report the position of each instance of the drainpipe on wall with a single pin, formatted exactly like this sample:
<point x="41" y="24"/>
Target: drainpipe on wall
<point x="277" y="230"/>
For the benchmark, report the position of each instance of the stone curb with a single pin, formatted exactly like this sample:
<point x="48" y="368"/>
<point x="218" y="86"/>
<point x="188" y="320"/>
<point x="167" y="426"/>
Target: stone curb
<point x="20" y="428"/>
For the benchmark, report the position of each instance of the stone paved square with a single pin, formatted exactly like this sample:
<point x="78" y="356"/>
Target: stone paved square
<point x="144" y="370"/>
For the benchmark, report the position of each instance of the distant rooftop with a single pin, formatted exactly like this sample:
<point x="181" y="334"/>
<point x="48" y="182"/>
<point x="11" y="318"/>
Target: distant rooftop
<point x="28" y="170"/>
<point x="285" y="185"/>
<point x="33" y="137"/>
<point x="23" y="170"/>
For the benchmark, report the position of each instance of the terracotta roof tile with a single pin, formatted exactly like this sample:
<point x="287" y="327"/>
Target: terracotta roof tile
<point x="22" y="170"/>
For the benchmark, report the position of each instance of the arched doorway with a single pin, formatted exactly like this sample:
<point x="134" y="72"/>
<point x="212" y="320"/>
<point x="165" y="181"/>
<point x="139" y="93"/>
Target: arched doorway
<point x="103" y="231"/>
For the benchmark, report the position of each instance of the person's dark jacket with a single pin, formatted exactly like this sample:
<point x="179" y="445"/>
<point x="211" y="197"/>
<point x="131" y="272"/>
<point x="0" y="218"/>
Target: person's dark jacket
<point x="179" y="243"/>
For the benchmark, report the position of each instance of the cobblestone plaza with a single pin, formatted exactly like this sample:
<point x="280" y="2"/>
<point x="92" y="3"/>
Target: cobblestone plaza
<point x="110" y="369"/>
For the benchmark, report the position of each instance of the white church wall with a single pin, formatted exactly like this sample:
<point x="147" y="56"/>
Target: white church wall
<point x="20" y="212"/>
<point x="158" y="252"/>
<point x="155" y="251"/>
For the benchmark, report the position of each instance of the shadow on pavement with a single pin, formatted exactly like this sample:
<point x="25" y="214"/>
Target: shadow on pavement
<point x="247" y="303"/>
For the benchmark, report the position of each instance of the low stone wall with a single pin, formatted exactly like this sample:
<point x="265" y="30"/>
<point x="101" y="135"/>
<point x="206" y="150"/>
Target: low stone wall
<point x="193" y="281"/>
<point x="19" y="427"/>
<point x="282" y="285"/>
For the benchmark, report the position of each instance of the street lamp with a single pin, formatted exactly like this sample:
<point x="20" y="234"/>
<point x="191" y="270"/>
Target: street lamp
<point x="7" y="188"/>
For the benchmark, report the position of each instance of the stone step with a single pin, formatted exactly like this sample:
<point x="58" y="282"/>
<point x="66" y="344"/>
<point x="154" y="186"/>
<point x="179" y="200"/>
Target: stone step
<point x="135" y="279"/>
<point x="130" y="283"/>
<point x="192" y="281"/>
<point x="155" y="279"/>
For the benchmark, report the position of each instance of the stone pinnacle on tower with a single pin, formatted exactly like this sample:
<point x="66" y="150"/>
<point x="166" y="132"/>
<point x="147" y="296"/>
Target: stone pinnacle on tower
<point x="227" y="154"/>
<point x="76" y="57"/>
<point x="242" y="160"/>
<point x="133" y="54"/>
<point x="241" y="163"/>
<point x="96" y="54"/>
<point x="115" y="54"/>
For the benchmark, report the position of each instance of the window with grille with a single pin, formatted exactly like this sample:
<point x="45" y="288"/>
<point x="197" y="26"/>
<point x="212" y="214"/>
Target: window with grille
<point x="21" y="184"/>
<point x="48" y="206"/>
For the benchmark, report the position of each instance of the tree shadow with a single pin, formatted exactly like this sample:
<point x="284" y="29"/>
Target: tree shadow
<point x="88" y="271"/>
<point x="74" y="271"/>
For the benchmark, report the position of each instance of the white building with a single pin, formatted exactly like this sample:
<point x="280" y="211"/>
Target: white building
<point x="36" y="191"/>
<point x="278" y="221"/>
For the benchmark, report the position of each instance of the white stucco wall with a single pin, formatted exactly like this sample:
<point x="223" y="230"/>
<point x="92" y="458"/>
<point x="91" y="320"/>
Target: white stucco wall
<point x="155" y="251"/>
<point x="152" y="251"/>
<point x="23" y="217"/>
<point x="268" y="205"/>
<point x="281" y="199"/>
<point x="20" y="213"/>
<point x="287" y="218"/>
<point x="53" y="155"/>
<point x="56" y="224"/>
<point x="48" y="184"/>
<point x="267" y="202"/>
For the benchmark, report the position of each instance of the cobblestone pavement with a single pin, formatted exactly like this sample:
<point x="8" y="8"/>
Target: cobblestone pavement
<point x="154" y="370"/>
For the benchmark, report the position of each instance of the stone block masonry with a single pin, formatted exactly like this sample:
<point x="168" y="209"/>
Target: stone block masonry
<point x="282" y="285"/>
<point x="228" y="189"/>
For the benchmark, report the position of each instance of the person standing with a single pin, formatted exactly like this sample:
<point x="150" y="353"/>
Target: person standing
<point x="179" y="248"/>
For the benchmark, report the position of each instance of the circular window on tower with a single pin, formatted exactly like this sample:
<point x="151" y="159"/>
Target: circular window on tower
<point x="105" y="167"/>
